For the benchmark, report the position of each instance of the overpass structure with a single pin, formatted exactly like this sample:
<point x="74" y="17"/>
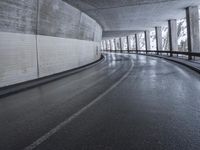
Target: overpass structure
<point x="71" y="79"/>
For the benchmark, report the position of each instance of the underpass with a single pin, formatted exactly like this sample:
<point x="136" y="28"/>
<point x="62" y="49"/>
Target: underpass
<point x="124" y="102"/>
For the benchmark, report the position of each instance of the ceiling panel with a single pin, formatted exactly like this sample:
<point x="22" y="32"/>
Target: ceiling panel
<point x="130" y="15"/>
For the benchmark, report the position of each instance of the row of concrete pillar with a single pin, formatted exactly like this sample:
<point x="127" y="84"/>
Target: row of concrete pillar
<point x="192" y="18"/>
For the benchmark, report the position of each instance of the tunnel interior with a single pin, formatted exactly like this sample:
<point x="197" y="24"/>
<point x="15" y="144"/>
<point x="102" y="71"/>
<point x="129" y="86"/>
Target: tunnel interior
<point x="99" y="74"/>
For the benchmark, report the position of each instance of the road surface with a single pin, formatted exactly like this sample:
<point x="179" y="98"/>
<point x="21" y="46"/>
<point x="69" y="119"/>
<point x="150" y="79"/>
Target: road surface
<point x="126" y="102"/>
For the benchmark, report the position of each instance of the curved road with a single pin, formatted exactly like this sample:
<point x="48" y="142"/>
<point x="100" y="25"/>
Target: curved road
<point x="127" y="102"/>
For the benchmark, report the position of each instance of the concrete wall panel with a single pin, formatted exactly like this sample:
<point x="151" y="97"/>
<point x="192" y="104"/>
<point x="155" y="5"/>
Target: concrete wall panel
<point x="91" y="52"/>
<point x="98" y="33"/>
<point x="61" y="54"/>
<point x="18" y="16"/>
<point x="43" y="37"/>
<point x="87" y="27"/>
<point x="18" y="61"/>
<point x="57" y="18"/>
<point x="51" y="18"/>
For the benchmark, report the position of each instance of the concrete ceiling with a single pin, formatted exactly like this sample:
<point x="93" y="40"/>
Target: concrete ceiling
<point x="118" y="17"/>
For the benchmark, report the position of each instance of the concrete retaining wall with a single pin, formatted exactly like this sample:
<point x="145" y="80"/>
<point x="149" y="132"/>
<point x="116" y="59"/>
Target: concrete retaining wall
<point x="60" y="54"/>
<point x="40" y="38"/>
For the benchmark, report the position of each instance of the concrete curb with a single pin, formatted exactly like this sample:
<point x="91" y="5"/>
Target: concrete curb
<point x="179" y="62"/>
<point x="16" y="88"/>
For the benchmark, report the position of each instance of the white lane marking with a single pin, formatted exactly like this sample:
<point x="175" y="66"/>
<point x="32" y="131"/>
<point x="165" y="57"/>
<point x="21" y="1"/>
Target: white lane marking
<point x="74" y="116"/>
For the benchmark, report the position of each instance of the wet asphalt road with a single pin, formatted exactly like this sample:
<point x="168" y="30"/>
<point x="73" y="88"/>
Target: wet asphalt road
<point x="155" y="107"/>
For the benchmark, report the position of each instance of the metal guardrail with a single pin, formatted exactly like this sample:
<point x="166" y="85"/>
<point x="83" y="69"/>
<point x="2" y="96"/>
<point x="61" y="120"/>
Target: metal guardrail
<point x="191" y="55"/>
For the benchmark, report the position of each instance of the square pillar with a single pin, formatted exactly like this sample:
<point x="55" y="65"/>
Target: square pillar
<point x="147" y="40"/>
<point x="137" y="42"/>
<point x="106" y="45"/>
<point x="110" y="45"/>
<point x="115" y="43"/>
<point x="192" y="17"/>
<point x="103" y="42"/>
<point x="158" y="39"/>
<point x="128" y="46"/>
<point x="173" y="39"/>
<point x="120" y="43"/>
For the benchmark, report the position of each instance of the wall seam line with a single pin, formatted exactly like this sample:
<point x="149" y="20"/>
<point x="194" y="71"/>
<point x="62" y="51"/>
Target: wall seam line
<point x="36" y="36"/>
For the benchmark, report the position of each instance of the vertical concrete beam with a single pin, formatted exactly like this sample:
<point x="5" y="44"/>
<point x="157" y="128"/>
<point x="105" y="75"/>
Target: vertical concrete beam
<point x="128" y="46"/>
<point x="107" y="45"/>
<point x="115" y="43"/>
<point x="110" y="45"/>
<point x="115" y="48"/>
<point x="192" y="17"/>
<point x="147" y="40"/>
<point x="120" y="43"/>
<point x="137" y="42"/>
<point x="158" y="38"/>
<point x="103" y="45"/>
<point x="173" y="39"/>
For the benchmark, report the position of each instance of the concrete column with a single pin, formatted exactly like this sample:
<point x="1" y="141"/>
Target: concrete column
<point x="173" y="39"/>
<point x="115" y="43"/>
<point x="106" y="45"/>
<point x="192" y="17"/>
<point x="103" y="45"/>
<point x="158" y="39"/>
<point x="110" y="41"/>
<point x="120" y="43"/>
<point x="137" y="42"/>
<point x="147" y="40"/>
<point x="128" y="46"/>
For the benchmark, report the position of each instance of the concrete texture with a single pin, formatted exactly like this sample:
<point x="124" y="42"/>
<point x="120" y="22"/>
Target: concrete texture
<point x="121" y="43"/>
<point x="192" y="17"/>
<point x="18" y="59"/>
<point x="59" y="19"/>
<point x="137" y="42"/>
<point x="104" y="45"/>
<point x="128" y="43"/>
<point x="19" y="16"/>
<point x="147" y="40"/>
<point x="61" y="54"/>
<point x="115" y="44"/>
<point x="129" y="15"/>
<point x="173" y="39"/>
<point x="110" y="43"/>
<point x="40" y="38"/>
<point x="50" y="18"/>
<point x="145" y="111"/>
<point x="194" y="65"/>
<point x="158" y="38"/>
